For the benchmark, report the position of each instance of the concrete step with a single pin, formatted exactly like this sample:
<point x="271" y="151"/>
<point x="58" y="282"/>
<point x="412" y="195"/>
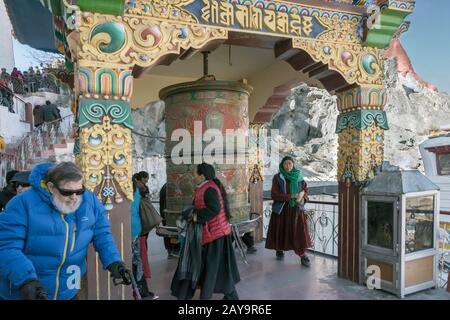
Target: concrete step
<point x="45" y="153"/>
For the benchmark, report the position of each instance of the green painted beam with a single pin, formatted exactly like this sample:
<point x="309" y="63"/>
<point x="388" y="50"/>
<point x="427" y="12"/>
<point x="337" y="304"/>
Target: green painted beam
<point x="381" y="34"/>
<point x="113" y="7"/>
<point x="56" y="7"/>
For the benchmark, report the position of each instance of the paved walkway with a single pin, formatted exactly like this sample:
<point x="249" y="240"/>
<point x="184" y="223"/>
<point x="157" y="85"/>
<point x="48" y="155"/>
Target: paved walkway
<point x="265" y="278"/>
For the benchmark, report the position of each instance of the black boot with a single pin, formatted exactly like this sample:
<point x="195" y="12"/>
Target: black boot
<point x="305" y="261"/>
<point x="280" y="255"/>
<point x="251" y="250"/>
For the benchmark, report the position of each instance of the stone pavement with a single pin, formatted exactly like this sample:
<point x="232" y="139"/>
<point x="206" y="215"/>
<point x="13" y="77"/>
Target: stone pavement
<point x="265" y="278"/>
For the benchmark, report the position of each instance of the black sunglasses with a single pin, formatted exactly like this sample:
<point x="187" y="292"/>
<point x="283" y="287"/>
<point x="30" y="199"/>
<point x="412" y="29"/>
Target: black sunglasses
<point x="23" y="185"/>
<point x="69" y="192"/>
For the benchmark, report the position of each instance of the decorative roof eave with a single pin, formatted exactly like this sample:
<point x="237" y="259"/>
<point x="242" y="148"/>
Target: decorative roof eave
<point x="25" y="16"/>
<point x="439" y="149"/>
<point x="113" y="7"/>
<point x="391" y="16"/>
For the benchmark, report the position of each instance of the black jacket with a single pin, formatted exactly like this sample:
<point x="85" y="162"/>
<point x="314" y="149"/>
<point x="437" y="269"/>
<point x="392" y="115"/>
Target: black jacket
<point x="7" y="194"/>
<point x="51" y="113"/>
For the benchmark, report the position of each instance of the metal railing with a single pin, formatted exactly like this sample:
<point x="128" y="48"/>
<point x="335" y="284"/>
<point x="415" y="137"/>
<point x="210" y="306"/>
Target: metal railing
<point x="42" y="137"/>
<point x="443" y="258"/>
<point x="19" y="108"/>
<point x="322" y="219"/>
<point x="13" y="102"/>
<point x="35" y="82"/>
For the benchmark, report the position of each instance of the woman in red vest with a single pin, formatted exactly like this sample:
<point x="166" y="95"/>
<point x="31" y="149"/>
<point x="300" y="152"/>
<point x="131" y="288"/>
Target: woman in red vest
<point x="218" y="269"/>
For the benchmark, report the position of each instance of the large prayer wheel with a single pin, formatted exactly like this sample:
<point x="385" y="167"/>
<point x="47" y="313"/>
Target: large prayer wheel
<point x="199" y="115"/>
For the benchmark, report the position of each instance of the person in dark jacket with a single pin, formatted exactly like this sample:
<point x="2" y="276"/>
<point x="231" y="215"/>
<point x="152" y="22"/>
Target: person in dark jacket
<point x="288" y="229"/>
<point x="9" y="191"/>
<point x="21" y="181"/>
<point x="171" y="244"/>
<point x="218" y="271"/>
<point x="38" y="116"/>
<point x="45" y="235"/>
<point x="50" y="115"/>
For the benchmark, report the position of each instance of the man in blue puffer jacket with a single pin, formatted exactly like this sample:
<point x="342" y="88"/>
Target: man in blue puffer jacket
<point x="45" y="233"/>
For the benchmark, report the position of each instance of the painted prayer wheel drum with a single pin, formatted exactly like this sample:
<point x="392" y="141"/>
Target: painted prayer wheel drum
<point x="195" y="111"/>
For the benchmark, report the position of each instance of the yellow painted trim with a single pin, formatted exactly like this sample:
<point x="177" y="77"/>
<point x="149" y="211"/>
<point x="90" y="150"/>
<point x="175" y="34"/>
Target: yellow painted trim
<point x="74" y="232"/>
<point x="109" y="285"/>
<point x="66" y="244"/>
<point x="121" y="255"/>
<point x="96" y="276"/>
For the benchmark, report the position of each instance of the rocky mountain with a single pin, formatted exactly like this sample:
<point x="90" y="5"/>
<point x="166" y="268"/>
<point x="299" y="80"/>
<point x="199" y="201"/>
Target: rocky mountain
<point x="415" y="109"/>
<point x="148" y="144"/>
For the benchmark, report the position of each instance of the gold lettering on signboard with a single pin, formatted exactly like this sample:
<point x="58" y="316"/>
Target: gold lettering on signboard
<point x="295" y="24"/>
<point x="307" y="25"/>
<point x="252" y="17"/>
<point x="243" y="15"/>
<point x="210" y="12"/>
<point x="256" y="18"/>
<point x="282" y="22"/>
<point x="226" y="14"/>
<point x="270" y="20"/>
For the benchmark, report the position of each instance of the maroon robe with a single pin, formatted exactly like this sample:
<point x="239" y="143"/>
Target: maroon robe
<point x="288" y="230"/>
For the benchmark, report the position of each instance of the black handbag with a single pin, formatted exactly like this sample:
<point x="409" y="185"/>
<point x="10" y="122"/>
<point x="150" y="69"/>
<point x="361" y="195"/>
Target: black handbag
<point x="150" y="217"/>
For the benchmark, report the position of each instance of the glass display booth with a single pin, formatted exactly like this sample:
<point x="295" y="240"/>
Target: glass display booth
<point x="399" y="239"/>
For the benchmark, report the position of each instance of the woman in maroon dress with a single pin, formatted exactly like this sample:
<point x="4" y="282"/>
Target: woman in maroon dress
<point x="287" y="227"/>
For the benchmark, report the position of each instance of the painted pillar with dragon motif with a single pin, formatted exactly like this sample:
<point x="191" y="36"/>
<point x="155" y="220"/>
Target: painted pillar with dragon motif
<point x="103" y="149"/>
<point x="360" y="128"/>
<point x="104" y="122"/>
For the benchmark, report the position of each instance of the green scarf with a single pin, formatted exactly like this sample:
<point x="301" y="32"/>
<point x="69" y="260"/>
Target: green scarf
<point x="294" y="177"/>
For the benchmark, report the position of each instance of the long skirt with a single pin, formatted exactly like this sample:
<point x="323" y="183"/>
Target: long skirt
<point x="288" y="231"/>
<point x="219" y="272"/>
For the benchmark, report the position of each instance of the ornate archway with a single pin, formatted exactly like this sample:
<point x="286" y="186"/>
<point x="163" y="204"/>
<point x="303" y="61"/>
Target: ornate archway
<point x="321" y="39"/>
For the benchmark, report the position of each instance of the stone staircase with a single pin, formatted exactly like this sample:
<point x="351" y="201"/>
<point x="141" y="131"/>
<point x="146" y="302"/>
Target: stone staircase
<point x="39" y="146"/>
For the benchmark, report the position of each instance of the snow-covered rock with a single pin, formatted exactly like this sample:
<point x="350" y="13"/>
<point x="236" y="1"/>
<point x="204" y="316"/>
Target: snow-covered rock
<point x="307" y="122"/>
<point x="148" y="144"/>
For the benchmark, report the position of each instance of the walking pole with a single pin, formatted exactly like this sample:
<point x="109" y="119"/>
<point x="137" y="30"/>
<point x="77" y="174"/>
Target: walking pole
<point x="239" y="243"/>
<point x="127" y="273"/>
<point x="136" y="294"/>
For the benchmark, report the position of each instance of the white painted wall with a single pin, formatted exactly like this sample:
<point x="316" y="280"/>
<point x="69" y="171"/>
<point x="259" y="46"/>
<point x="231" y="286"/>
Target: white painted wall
<point x="11" y="128"/>
<point x="6" y="44"/>
<point x="156" y="168"/>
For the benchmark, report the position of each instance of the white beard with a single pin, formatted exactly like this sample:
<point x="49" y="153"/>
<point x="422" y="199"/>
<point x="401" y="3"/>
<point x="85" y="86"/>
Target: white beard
<point x="64" y="208"/>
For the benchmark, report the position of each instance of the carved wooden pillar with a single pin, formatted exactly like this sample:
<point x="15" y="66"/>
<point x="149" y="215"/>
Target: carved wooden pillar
<point x="104" y="122"/>
<point x="105" y="48"/>
<point x="360" y="125"/>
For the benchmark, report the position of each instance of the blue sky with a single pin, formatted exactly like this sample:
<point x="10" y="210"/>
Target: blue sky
<point x="427" y="43"/>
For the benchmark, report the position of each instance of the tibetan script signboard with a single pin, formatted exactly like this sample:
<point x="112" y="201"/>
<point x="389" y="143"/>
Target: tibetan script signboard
<point x="257" y="16"/>
<point x="263" y="17"/>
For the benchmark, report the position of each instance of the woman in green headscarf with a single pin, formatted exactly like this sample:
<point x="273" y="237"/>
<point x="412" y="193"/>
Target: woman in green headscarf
<point x="287" y="227"/>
